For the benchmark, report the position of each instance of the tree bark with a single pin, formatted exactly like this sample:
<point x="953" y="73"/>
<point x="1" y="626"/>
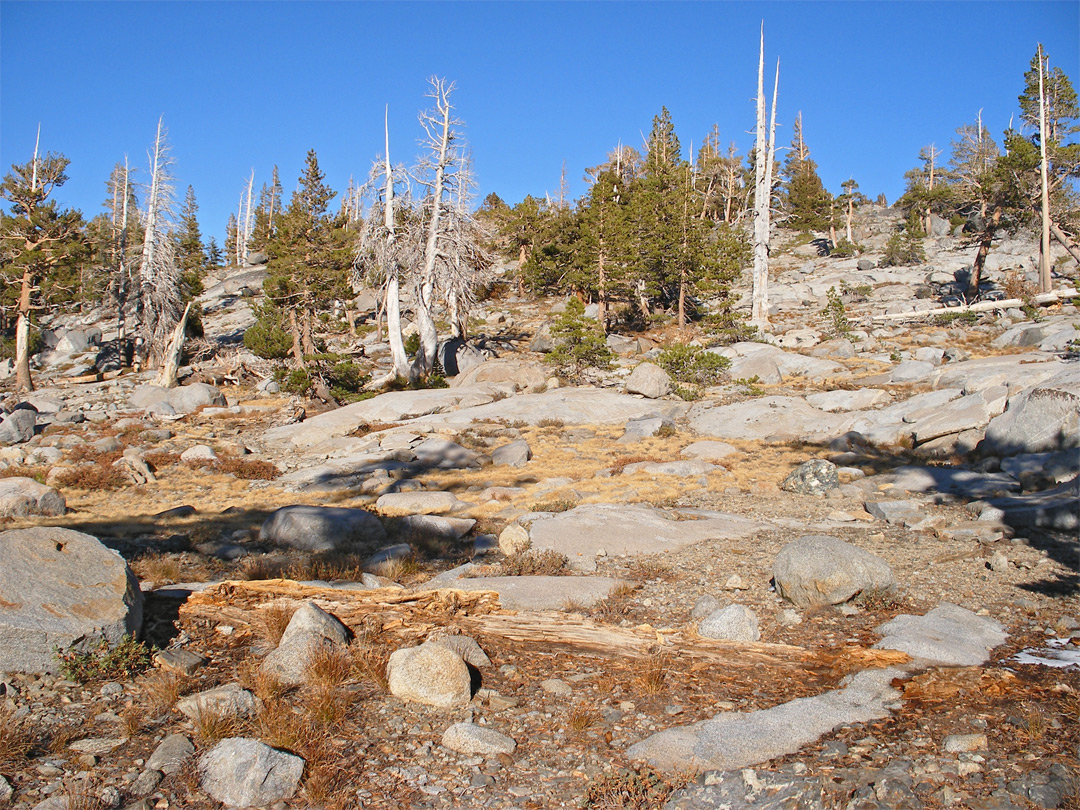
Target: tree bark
<point x="1044" y="244"/>
<point x="171" y="363"/>
<point x="763" y="160"/>
<point x="294" y="330"/>
<point x="984" y="248"/>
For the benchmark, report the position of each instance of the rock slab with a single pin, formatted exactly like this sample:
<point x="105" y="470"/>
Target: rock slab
<point x="948" y="636"/>
<point x="61" y="589"/>
<point x="323" y="528"/>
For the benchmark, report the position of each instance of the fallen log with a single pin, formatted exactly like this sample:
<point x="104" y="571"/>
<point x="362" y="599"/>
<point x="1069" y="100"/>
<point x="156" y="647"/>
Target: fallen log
<point x="408" y="617"/>
<point x="1043" y="299"/>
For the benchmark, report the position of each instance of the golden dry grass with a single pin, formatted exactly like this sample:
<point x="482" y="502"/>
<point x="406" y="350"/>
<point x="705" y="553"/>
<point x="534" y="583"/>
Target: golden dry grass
<point x="272" y="620"/>
<point x="162" y="689"/>
<point x="213" y="726"/>
<point x="16" y="739"/>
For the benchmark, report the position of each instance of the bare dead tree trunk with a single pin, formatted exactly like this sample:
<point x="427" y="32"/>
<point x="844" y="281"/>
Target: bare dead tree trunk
<point x="1065" y="241"/>
<point x="1044" y="244"/>
<point x="167" y="375"/>
<point x="23" y="381"/>
<point x="294" y="330"/>
<point x="850" y="212"/>
<point x="425" y="298"/>
<point x="764" y="154"/>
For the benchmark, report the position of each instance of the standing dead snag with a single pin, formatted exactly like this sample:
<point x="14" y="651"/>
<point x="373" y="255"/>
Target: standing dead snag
<point x="765" y="154"/>
<point x="159" y="280"/>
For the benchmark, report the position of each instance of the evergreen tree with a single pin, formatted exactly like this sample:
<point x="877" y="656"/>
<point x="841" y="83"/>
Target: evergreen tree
<point x="806" y="201"/>
<point x="230" y="240"/>
<point x="190" y="253"/>
<point x="39" y="244"/>
<point x="214" y="255"/>
<point x="307" y="259"/>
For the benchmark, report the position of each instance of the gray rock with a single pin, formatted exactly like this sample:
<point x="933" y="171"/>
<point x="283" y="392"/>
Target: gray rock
<point x="704" y="606"/>
<point x="323" y="528"/>
<point x="242" y="772"/>
<point x="865" y="265"/>
<point x="400" y="551"/>
<point x="434" y="527"/>
<point x="145" y="783"/>
<point x="731" y="623"/>
<point x="822" y="570"/>
<point x="228" y="700"/>
<point x="465" y="646"/>
<point x="182" y="399"/>
<point x="469" y="738"/>
<point x="200" y="452"/>
<point x="638" y="429"/>
<point x="814" y="477"/>
<point x="457" y="357"/>
<point x="909" y="371"/>
<point x="1057" y="508"/>
<point x="894" y="512"/>
<point x="61" y="590"/>
<point x="309" y="630"/>
<point x="680" y="469"/>
<point x="739" y="740"/>
<point x="537" y="592"/>
<point x="23" y="497"/>
<point x="171" y="754"/>
<point x="416" y="503"/>
<point x="959" y="743"/>
<point x="751" y="790"/>
<point x="1043" y="418"/>
<point x="514" y="539"/>
<point x="767" y="417"/>
<point x="947" y="636"/>
<point x="6" y="790"/>
<point x="841" y="400"/>
<point x="649" y="380"/>
<point x="18" y="426"/>
<point x="542" y="341"/>
<point x="557" y="686"/>
<point x="514" y="454"/>
<point x="708" y="450"/>
<point x="583" y="532"/>
<point x="431" y="674"/>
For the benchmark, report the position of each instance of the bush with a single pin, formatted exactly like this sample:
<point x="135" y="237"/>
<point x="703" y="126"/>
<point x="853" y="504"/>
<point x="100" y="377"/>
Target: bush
<point x="834" y="309"/>
<point x="845" y="249"/>
<point x="268" y="338"/>
<point x="297" y="381"/>
<point x="579" y="342"/>
<point x="902" y="250"/>
<point x="693" y="364"/>
<point x="346" y="381"/>
<point x="102" y="663"/>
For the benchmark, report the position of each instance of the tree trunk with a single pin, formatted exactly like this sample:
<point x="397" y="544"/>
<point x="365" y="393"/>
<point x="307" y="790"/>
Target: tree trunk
<point x="1065" y="241"/>
<point x="23" y="381"/>
<point x="294" y="330"/>
<point x="764" y="155"/>
<point x="171" y="363"/>
<point x="307" y="336"/>
<point x="1044" y="244"/>
<point x="850" y="211"/>
<point x="980" y="256"/>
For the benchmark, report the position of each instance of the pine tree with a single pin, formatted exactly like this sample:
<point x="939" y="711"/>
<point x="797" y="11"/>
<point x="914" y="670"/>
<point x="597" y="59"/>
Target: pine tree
<point x="38" y="241"/>
<point x="306" y="266"/>
<point x="806" y="201"/>
<point x="190" y="253"/>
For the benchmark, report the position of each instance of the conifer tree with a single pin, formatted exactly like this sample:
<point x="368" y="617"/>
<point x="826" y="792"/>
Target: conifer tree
<point x="306" y="267"/>
<point x="190" y="253"/>
<point x="806" y="201"/>
<point x="37" y="240"/>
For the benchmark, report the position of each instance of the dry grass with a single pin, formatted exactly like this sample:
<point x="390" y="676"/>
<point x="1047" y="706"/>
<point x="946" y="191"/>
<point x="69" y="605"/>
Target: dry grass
<point x="162" y="569"/>
<point x="82" y="794"/>
<point x="399" y="569"/>
<point x="529" y="563"/>
<point x="554" y="505"/>
<point x="328" y="667"/>
<point x="326" y="707"/>
<point x="639" y="788"/>
<point x="369" y="659"/>
<point x="24" y="471"/>
<point x="622" y="462"/>
<point x="242" y="468"/>
<point x="617" y="605"/>
<point x="163" y="689"/>
<point x="281" y="726"/>
<point x="59" y="737"/>
<point x="652" y="568"/>
<point x="96" y="477"/>
<point x="132" y="720"/>
<point x="654" y="675"/>
<point x="256" y="568"/>
<point x="159" y="459"/>
<point x="582" y="717"/>
<point x="16" y="739"/>
<point x="271" y="621"/>
<point x="212" y="726"/>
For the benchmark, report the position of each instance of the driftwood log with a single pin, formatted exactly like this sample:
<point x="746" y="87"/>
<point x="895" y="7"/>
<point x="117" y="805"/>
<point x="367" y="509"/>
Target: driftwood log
<point x="408" y="617"/>
<point x="1043" y="299"/>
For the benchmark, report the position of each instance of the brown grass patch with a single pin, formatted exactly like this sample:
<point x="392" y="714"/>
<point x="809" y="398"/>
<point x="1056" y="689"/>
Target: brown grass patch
<point x="555" y="505"/>
<point x="328" y="666"/>
<point x="82" y="794"/>
<point x="213" y="726"/>
<point x="59" y="737"/>
<point x="369" y="659"/>
<point x="256" y="568"/>
<point x="622" y="462"/>
<point x="93" y="476"/>
<point x="159" y="459"/>
<point x="24" y="471"/>
<point x="582" y="717"/>
<point x="617" y="605"/>
<point x="16" y="739"/>
<point x="639" y="788"/>
<point x="162" y="689"/>
<point x="651" y="568"/>
<point x="327" y="707"/>
<point x="162" y="570"/>
<point x="271" y="621"/>
<point x="654" y="676"/>
<point x="528" y="563"/>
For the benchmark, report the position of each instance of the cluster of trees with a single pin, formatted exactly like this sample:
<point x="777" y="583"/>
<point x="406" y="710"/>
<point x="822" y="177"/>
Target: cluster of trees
<point x="1026" y="180"/>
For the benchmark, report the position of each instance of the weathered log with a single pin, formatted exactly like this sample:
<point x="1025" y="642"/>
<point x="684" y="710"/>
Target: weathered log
<point x="1041" y="299"/>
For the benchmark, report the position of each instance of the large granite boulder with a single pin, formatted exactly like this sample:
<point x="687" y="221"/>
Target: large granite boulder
<point x="61" y="590"/>
<point x="20" y="497"/>
<point x="1042" y="418"/>
<point x="182" y="399"/>
<point x="18" y="426"/>
<point x="822" y="570"/>
<point x="323" y="528"/>
<point x="649" y="380"/>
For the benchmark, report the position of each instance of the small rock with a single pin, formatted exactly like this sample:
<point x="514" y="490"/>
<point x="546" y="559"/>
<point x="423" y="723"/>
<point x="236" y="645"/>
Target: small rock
<point x="514" y="539"/>
<point x="182" y="662"/>
<point x="242" y="772"/>
<point x="556" y="686"/>
<point x="957" y="743"/>
<point x="732" y="623"/>
<point x="231" y="699"/>
<point x="736" y="583"/>
<point x="515" y="454"/>
<point x="999" y="562"/>
<point x="469" y="738"/>
<point x="704" y="606"/>
<point x="199" y="452"/>
<point x="432" y="674"/>
<point x="171" y="754"/>
<point x="814" y="477"/>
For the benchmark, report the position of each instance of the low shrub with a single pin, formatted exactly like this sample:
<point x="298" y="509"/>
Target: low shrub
<point x="104" y="663"/>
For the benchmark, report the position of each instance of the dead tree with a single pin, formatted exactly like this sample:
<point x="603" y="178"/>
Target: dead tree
<point x="1044" y="243"/>
<point x="765" y="154"/>
<point x="379" y="257"/>
<point x="159" y="278"/>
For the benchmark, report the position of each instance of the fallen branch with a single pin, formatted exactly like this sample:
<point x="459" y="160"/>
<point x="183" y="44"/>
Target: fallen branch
<point x="409" y="616"/>
<point x="1042" y="299"/>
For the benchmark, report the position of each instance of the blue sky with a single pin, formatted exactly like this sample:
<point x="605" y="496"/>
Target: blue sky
<point x="245" y="85"/>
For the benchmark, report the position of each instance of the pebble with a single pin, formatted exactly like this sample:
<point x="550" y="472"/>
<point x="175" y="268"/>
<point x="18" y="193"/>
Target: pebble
<point x="556" y="686"/>
<point x="955" y="743"/>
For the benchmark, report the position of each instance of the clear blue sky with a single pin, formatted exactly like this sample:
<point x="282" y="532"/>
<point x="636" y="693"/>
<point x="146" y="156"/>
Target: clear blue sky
<point x="246" y="85"/>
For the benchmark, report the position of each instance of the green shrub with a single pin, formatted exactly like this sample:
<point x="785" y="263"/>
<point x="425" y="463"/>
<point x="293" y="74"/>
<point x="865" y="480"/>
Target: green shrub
<point x="412" y="344"/>
<point x="104" y="663"/>
<point x="580" y="343"/>
<point x="346" y="381"/>
<point x="297" y="381"/>
<point x="902" y="250"/>
<point x="693" y="364"/>
<point x="836" y="313"/>
<point x="268" y="338"/>
<point x="845" y="249"/>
